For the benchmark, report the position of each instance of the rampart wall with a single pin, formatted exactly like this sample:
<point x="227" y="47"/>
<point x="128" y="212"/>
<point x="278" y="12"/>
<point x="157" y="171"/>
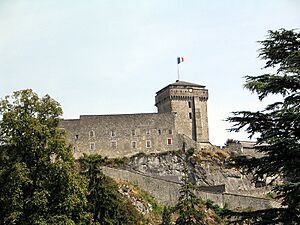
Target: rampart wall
<point x="166" y="192"/>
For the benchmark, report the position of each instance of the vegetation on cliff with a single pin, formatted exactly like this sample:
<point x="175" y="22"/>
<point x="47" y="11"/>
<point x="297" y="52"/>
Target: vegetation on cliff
<point x="278" y="128"/>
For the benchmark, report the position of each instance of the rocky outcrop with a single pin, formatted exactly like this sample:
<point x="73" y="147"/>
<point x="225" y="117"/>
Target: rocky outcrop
<point x="207" y="168"/>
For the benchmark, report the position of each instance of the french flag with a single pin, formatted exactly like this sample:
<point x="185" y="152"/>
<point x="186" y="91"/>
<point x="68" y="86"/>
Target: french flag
<point x="180" y="60"/>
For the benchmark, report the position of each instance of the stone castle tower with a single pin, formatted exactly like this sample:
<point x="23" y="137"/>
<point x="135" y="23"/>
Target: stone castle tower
<point x="181" y="120"/>
<point x="188" y="102"/>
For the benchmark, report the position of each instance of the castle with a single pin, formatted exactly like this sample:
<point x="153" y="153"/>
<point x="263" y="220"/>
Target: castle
<point x="181" y="119"/>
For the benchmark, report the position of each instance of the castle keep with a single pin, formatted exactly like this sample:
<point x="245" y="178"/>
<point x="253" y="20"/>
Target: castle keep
<point x="181" y="118"/>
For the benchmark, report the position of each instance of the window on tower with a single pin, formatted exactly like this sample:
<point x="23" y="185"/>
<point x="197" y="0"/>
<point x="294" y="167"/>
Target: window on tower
<point x="133" y="144"/>
<point x="133" y="132"/>
<point x="92" y="146"/>
<point x="148" y="144"/>
<point x="114" y="144"/>
<point x="92" y="134"/>
<point x="113" y="133"/>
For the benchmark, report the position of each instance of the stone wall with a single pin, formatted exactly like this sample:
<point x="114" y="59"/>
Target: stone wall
<point x="166" y="192"/>
<point x="122" y="135"/>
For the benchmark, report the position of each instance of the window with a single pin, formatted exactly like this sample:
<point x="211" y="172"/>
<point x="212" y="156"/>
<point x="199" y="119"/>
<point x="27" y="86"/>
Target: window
<point x="114" y="144"/>
<point x="148" y="144"/>
<point x="170" y="131"/>
<point x="133" y="144"/>
<point x="113" y="133"/>
<point x="159" y="132"/>
<point x="170" y="141"/>
<point x="74" y="149"/>
<point x="92" y="134"/>
<point x="133" y="132"/>
<point x="76" y="137"/>
<point x="148" y="132"/>
<point x="92" y="146"/>
<point x="190" y="104"/>
<point x="190" y="115"/>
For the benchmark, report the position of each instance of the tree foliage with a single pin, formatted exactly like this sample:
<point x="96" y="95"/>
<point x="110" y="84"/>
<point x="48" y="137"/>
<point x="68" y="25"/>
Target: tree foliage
<point x="278" y="127"/>
<point x="106" y="204"/>
<point x="190" y="209"/>
<point x="38" y="184"/>
<point x="166" y="216"/>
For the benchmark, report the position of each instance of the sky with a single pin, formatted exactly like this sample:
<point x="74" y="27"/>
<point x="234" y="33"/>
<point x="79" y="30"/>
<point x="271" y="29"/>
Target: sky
<point x="111" y="57"/>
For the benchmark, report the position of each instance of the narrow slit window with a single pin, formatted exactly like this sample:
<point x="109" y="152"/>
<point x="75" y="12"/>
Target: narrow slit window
<point x="190" y="115"/>
<point x="114" y="144"/>
<point x="159" y="131"/>
<point x="133" y="132"/>
<point x="133" y="144"/>
<point x="190" y="104"/>
<point x="92" y="134"/>
<point x="148" y="144"/>
<point x="113" y="133"/>
<point x="92" y="146"/>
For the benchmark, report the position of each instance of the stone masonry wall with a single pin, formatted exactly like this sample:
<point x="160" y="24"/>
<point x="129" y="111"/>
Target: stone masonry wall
<point x="166" y="192"/>
<point x="122" y="135"/>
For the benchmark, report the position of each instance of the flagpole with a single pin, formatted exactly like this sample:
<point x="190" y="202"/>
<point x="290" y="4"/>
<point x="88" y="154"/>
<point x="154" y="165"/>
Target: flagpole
<point x="178" y="71"/>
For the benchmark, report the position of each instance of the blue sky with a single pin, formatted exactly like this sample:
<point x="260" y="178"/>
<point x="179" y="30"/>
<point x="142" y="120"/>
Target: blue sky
<point x="108" y="57"/>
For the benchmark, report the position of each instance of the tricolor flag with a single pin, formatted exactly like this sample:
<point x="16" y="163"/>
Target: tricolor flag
<point x="180" y="60"/>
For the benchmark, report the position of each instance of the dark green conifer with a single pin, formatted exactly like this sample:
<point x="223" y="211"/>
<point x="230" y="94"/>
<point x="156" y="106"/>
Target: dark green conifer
<point x="277" y="127"/>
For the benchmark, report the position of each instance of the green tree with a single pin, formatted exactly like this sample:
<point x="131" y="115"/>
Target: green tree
<point x="189" y="207"/>
<point x="278" y="127"/>
<point x="106" y="204"/>
<point x="166" y="216"/>
<point x="37" y="180"/>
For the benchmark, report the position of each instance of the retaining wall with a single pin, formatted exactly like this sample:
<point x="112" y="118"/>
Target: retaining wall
<point x="167" y="192"/>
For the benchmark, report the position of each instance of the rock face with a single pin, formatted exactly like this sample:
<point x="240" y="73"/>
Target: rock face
<point x="205" y="171"/>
